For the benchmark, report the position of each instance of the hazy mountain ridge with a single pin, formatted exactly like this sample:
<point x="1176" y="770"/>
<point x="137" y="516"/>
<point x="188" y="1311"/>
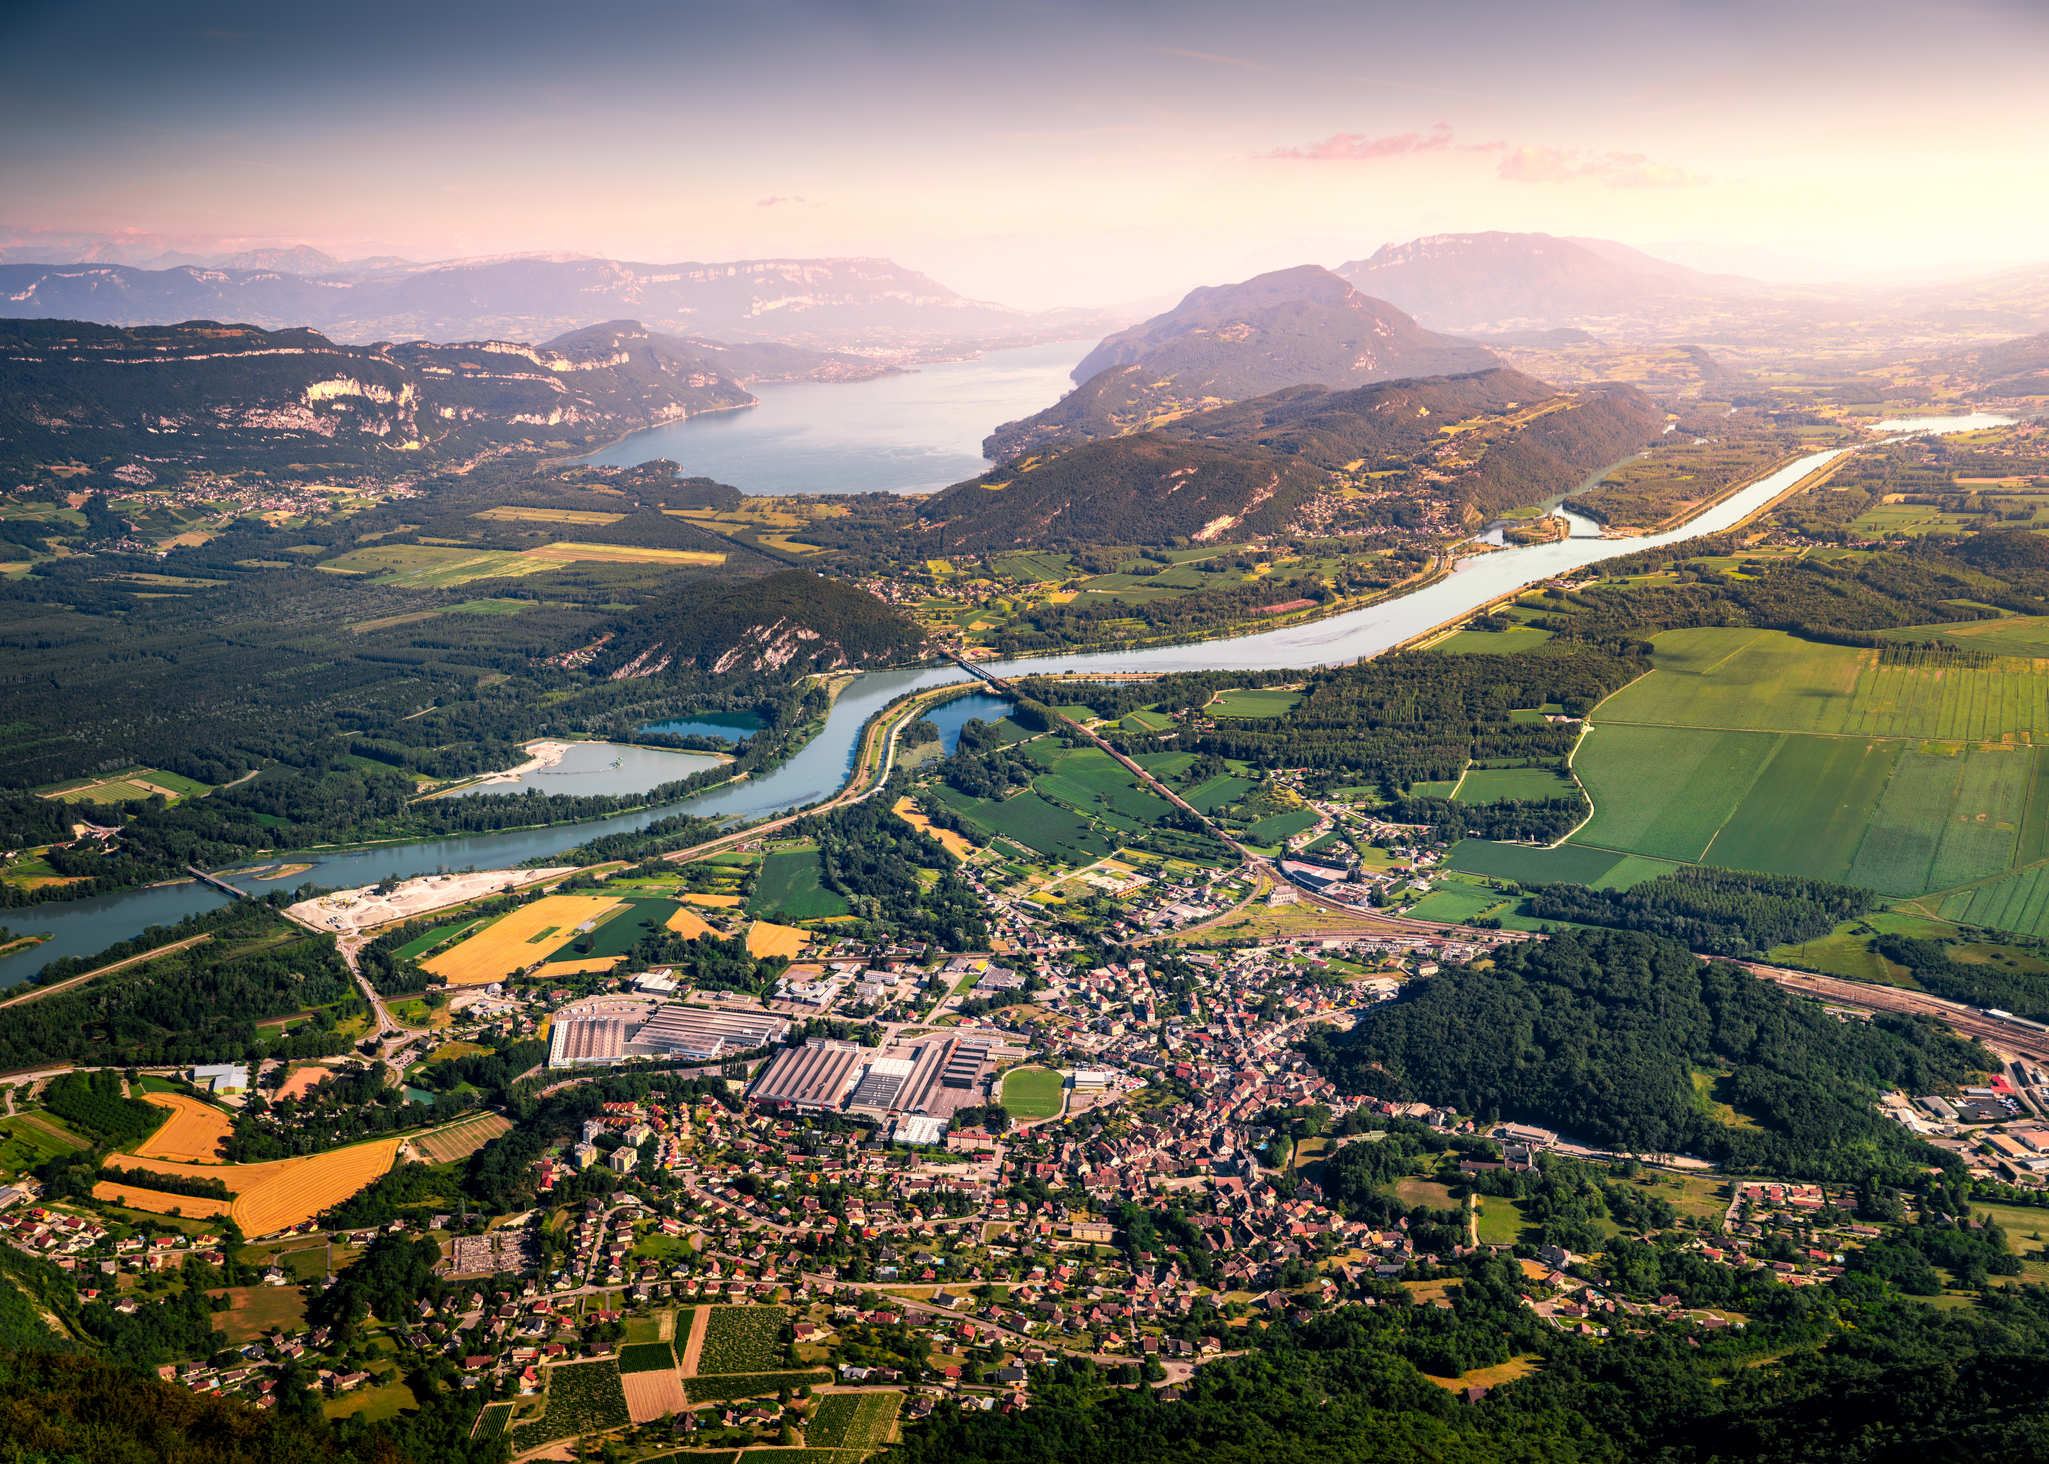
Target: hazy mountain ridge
<point x="1224" y="343"/>
<point x="874" y="304"/>
<point x="72" y="388"/>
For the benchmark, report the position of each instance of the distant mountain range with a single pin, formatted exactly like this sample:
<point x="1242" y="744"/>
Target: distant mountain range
<point x="1227" y="342"/>
<point x="869" y="304"/>
<point x="1497" y="283"/>
<point x="70" y="389"/>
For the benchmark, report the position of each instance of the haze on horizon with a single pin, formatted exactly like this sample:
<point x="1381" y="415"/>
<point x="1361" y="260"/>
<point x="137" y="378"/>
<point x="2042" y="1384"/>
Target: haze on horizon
<point x="1037" y="154"/>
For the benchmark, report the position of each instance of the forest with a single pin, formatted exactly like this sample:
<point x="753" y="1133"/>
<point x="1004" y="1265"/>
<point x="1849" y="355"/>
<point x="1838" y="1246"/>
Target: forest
<point x="1602" y="1033"/>
<point x="1725" y="912"/>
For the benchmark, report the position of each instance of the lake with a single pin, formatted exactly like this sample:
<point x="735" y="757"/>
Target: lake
<point x="602" y="767"/>
<point x="912" y="433"/>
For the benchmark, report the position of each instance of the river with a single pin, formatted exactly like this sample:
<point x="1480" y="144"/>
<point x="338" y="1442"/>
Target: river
<point x="822" y="765"/>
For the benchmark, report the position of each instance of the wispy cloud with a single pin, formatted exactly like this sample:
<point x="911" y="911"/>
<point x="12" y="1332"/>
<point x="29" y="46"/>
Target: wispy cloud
<point x="1519" y="164"/>
<point x="775" y="198"/>
<point x="1569" y="164"/>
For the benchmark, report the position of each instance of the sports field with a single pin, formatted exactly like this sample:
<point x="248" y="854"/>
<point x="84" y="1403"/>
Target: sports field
<point x="193" y="1134"/>
<point x="1496" y="785"/>
<point x="278" y="1194"/>
<point x="1766" y="680"/>
<point x="1261" y="703"/>
<point x="1032" y="1093"/>
<point x="789" y="885"/>
<point x="517" y="941"/>
<point x="764" y="939"/>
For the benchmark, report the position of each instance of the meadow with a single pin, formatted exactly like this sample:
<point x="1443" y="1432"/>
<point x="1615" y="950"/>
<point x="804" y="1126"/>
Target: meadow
<point x="789" y="885"/>
<point x="1492" y="642"/>
<point x="1253" y="704"/>
<point x="1495" y="785"/>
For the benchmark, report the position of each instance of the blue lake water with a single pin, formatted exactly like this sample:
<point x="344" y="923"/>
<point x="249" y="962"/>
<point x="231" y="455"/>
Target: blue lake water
<point x="727" y="726"/>
<point x="912" y="433"/>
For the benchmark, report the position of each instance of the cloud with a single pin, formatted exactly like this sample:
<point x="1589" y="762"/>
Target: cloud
<point x="773" y="199"/>
<point x="1519" y="164"/>
<point x="1568" y="164"/>
<point x="1351" y="146"/>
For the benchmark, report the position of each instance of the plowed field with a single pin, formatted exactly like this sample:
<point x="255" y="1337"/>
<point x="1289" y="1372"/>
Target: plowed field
<point x="649" y="1395"/>
<point x="194" y="1133"/>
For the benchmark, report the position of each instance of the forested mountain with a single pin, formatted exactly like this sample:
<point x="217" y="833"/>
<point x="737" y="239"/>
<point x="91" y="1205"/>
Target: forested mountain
<point x="1226" y="342"/>
<point x="1601" y="1034"/>
<point x="78" y="389"/>
<point x="819" y="302"/>
<point x="1254" y="463"/>
<point x="793" y="620"/>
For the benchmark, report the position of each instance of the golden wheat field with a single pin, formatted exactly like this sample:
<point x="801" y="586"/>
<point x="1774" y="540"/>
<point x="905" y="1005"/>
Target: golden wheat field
<point x="764" y="940"/>
<point x="193" y="1134"/>
<point x="520" y="940"/>
<point x="285" y="1192"/>
<point x="157" y="1202"/>
<point x="689" y="925"/>
<point x="576" y="968"/>
<point x="715" y="902"/>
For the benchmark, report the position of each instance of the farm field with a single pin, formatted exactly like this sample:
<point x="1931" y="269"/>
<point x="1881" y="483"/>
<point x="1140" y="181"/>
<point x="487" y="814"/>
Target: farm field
<point x="653" y="1395"/>
<point x="1492" y="642"/>
<point x="1766" y="680"/>
<point x="764" y="939"/>
<point x="1567" y="864"/>
<point x="853" y="1421"/>
<point x="583" y="1397"/>
<point x="1454" y="903"/>
<point x="283" y="1192"/>
<point x="30" y="1139"/>
<point x="193" y="1134"/>
<point x="742" y="1339"/>
<point x="417" y="947"/>
<point x="517" y="941"/>
<point x="254" y="1310"/>
<point x="1260" y="703"/>
<point x="617" y="934"/>
<point x="433" y="566"/>
<point x="2019" y="902"/>
<point x="1270" y="831"/>
<point x="1495" y="785"/>
<point x="1808" y="810"/>
<point x="1032" y="1093"/>
<point x="512" y="513"/>
<point x="688" y="924"/>
<point x="463" y="1140"/>
<point x="2026" y="636"/>
<point x="907" y="810"/>
<point x="158" y="1201"/>
<point x="789" y="885"/>
<point x="1042" y="827"/>
<point x="619" y="554"/>
<point x="132" y="784"/>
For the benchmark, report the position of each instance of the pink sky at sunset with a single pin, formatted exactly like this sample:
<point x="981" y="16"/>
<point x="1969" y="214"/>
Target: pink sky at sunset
<point x="1037" y="154"/>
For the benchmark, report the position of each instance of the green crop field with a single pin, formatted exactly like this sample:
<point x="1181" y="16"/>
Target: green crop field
<point x="789" y="883"/>
<point x="1040" y="826"/>
<point x="413" y="949"/>
<point x="742" y="1339"/>
<point x="1437" y="789"/>
<point x="1270" y="831"/>
<point x="1492" y="642"/>
<point x="1984" y="819"/>
<point x="2026" y="636"/>
<point x="1035" y="569"/>
<point x="2019" y="903"/>
<point x="1149" y="722"/>
<point x="1665" y="791"/>
<point x="585" y="1397"/>
<point x="1454" y="903"/>
<point x="1807" y="811"/>
<point x="1262" y="703"/>
<point x="1219" y="793"/>
<point x="1494" y="785"/>
<point x="1032" y="1093"/>
<point x="853" y="1421"/>
<point x="619" y="934"/>
<point x="647" y="1357"/>
<point x="1768" y="681"/>
<point x="725" y="1387"/>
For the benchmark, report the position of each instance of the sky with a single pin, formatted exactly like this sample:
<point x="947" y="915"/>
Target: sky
<point x="1037" y="154"/>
